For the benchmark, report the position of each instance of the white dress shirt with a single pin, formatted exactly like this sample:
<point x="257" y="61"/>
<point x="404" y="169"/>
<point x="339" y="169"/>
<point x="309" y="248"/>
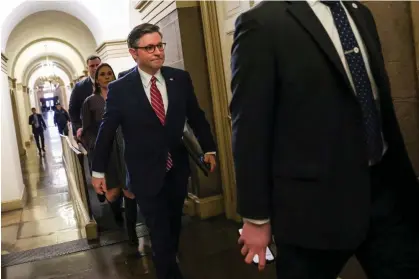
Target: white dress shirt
<point x="325" y="17"/>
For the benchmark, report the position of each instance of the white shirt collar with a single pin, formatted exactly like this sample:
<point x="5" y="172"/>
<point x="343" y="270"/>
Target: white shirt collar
<point x="92" y="80"/>
<point x="146" y="78"/>
<point x="313" y="2"/>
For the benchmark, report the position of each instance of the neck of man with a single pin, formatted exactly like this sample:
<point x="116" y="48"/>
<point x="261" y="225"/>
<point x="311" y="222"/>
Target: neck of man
<point x="148" y="70"/>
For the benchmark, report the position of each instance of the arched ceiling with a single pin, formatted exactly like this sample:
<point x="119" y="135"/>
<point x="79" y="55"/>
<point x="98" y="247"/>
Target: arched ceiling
<point x="37" y="51"/>
<point x="39" y="73"/>
<point x="38" y="64"/>
<point x="17" y="10"/>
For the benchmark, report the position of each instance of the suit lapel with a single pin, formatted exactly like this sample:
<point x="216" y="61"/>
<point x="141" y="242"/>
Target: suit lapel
<point x="171" y="91"/>
<point x="302" y="12"/>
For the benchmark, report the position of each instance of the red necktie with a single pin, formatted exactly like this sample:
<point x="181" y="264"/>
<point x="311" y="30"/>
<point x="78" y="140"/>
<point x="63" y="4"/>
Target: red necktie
<point x="158" y="106"/>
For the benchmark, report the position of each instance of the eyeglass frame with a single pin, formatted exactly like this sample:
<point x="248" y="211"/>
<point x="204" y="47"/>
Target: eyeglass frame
<point x="154" y="47"/>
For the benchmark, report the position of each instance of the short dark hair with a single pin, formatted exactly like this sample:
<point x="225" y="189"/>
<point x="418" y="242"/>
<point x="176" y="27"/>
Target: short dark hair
<point x="92" y="57"/>
<point x="139" y="31"/>
<point x="33" y="108"/>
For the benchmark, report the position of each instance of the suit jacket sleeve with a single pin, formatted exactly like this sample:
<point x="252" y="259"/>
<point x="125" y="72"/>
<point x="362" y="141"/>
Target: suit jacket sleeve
<point x="30" y="119"/>
<point x="76" y="102"/>
<point x="252" y="111"/>
<point x="110" y="122"/>
<point x="42" y="121"/>
<point x="197" y="120"/>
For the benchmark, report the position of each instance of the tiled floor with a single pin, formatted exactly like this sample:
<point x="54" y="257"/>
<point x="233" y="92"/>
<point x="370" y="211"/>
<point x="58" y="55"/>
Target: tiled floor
<point x="48" y="217"/>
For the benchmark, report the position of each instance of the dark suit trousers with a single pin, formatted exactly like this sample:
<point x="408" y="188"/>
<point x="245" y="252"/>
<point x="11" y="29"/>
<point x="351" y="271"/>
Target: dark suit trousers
<point x="390" y="250"/>
<point x="163" y="214"/>
<point x="39" y="134"/>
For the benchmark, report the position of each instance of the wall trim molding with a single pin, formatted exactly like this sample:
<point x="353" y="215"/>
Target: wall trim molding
<point x="4" y="60"/>
<point x="109" y="43"/>
<point x="113" y="49"/>
<point x="15" y="204"/>
<point x="220" y="105"/>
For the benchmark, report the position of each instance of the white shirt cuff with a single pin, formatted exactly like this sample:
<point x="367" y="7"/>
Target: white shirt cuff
<point x="256" y="222"/>
<point x="211" y="153"/>
<point x="98" y="174"/>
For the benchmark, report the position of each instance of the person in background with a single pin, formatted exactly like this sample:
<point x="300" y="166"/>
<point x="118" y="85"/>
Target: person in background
<point x="92" y="113"/>
<point x="81" y="91"/>
<point x="151" y="104"/>
<point x="319" y="156"/>
<point x="61" y="118"/>
<point x="38" y="126"/>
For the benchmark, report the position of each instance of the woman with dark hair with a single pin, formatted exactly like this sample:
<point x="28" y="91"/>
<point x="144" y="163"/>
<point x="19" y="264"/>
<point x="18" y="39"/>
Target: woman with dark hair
<point x="116" y="176"/>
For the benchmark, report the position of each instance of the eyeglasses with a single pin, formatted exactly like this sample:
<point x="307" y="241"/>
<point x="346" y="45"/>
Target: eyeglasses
<point x="152" y="48"/>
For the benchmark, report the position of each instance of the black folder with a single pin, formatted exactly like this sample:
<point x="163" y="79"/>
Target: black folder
<point x="195" y="151"/>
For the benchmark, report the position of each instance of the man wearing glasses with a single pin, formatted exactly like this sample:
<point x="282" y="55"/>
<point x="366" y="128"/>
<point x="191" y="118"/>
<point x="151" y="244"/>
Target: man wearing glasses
<point x="151" y="104"/>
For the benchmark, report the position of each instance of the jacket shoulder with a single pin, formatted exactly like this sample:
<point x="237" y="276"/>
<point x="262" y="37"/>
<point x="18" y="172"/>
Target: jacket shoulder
<point x="175" y="72"/>
<point x="265" y="11"/>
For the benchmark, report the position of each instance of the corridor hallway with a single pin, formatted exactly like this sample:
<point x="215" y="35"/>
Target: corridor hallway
<point x="48" y="217"/>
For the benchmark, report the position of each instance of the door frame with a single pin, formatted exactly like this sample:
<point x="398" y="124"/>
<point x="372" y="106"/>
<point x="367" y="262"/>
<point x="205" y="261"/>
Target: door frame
<point x="222" y="117"/>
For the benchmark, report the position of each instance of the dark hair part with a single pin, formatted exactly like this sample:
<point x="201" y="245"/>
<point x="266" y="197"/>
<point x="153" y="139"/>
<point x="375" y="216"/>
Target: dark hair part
<point x="139" y="31"/>
<point x="97" y="86"/>
<point x="92" y="57"/>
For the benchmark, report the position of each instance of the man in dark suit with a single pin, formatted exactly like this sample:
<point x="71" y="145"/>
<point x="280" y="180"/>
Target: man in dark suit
<point x="61" y="119"/>
<point x="38" y="126"/>
<point x="81" y="91"/>
<point x="151" y="104"/>
<point x="318" y="152"/>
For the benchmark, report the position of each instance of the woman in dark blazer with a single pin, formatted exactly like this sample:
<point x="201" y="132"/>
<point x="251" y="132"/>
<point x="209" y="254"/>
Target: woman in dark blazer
<point x="92" y="112"/>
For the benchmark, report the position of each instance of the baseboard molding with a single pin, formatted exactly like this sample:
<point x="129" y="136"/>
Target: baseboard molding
<point x="15" y="204"/>
<point x="204" y="207"/>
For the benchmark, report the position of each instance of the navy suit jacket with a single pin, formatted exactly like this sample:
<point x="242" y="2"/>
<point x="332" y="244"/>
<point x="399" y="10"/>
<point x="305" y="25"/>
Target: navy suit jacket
<point x="123" y="73"/>
<point x="81" y="91"/>
<point x="147" y="141"/>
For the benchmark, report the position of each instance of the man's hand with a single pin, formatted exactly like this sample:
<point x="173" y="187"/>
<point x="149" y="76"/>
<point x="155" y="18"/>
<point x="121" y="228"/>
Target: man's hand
<point x="255" y="239"/>
<point x="79" y="132"/>
<point x="210" y="159"/>
<point x="99" y="184"/>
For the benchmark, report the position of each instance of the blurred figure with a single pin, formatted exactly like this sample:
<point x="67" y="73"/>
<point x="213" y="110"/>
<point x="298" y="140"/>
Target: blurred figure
<point x="319" y="156"/>
<point x="38" y="126"/>
<point x="61" y="118"/>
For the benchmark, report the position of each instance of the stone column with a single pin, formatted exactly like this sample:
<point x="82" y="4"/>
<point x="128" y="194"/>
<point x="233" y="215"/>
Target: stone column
<point x="23" y="114"/>
<point x="394" y="23"/>
<point x="13" y="194"/>
<point x="116" y="54"/>
<point x="20" y="143"/>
